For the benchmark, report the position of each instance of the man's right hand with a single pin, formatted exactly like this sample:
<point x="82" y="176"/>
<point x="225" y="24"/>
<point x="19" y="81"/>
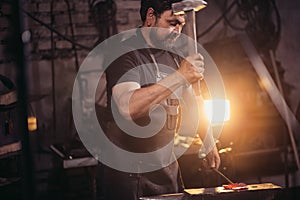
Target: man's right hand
<point x="192" y="68"/>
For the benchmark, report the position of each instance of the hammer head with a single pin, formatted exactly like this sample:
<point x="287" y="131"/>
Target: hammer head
<point x="181" y="7"/>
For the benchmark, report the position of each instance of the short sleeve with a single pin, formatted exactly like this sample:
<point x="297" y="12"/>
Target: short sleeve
<point x="123" y="69"/>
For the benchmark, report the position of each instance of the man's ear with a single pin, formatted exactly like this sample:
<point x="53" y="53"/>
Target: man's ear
<point x="150" y="17"/>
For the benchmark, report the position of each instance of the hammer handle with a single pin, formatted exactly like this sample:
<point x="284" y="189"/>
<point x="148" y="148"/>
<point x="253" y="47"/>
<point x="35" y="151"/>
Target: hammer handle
<point x="190" y="28"/>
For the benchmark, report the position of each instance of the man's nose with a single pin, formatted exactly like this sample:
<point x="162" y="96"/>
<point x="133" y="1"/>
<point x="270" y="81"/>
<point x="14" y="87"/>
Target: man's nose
<point x="178" y="28"/>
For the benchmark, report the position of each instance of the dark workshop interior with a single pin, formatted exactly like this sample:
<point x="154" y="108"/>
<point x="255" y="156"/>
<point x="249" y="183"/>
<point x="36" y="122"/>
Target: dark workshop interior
<point x="43" y="44"/>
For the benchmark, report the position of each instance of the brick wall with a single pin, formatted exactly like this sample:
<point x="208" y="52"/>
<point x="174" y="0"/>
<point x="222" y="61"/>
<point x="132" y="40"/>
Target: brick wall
<point x="52" y="57"/>
<point x="60" y="60"/>
<point x="128" y="16"/>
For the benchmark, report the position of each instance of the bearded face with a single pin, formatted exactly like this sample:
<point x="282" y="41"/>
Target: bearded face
<point x="166" y="29"/>
<point x="163" y="38"/>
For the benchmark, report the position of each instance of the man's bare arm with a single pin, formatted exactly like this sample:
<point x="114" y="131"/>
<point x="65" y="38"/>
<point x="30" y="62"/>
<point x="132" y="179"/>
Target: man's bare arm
<point x="134" y="102"/>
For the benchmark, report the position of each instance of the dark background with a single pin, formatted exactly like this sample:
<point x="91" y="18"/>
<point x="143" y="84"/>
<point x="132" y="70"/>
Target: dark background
<point x="64" y="32"/>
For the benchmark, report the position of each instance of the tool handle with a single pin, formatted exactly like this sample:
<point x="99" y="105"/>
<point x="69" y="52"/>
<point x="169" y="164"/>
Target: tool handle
<point x="221" y="174"/>
<point x="190" y="28"/>
<point x="197" y="88"/>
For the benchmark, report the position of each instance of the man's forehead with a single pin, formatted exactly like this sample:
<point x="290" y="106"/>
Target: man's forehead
<point x="170" y="15"/>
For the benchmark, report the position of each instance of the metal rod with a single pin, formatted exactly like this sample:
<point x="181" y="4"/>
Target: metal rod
<point x="275" y="95"/>
<point x="53" y="73"/>
<point x="74" y="48"/>
<point x="28" y="184"/>
<point x="288" y="124"/>
<point x="221" y="174"/>
<point x="60" y="35"/>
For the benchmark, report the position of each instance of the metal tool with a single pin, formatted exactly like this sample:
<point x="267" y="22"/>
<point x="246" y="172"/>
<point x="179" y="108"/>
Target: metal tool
<point x="221" y="174"/>
<point x="189" y="8"/>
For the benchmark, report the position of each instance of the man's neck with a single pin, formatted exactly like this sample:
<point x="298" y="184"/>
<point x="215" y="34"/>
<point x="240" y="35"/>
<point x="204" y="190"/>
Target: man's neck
<point x="146" y="34"/>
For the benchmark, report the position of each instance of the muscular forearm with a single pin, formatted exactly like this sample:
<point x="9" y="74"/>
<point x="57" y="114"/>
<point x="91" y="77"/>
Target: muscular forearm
<point x="135" y="102"/>
<point x="143" y="99"/>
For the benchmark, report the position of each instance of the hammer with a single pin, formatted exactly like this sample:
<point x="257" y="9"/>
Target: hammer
<point x="189" y="8"/>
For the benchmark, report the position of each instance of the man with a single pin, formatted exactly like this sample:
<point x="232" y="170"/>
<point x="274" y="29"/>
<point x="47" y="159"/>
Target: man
<point x="137" y="82"/>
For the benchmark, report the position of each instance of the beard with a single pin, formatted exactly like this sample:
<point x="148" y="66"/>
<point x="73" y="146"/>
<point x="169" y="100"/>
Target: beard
<point x="167" y="42"/>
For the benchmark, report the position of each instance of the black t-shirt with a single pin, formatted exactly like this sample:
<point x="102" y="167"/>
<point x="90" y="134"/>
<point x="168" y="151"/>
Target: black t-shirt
<point x="138" y="66"/>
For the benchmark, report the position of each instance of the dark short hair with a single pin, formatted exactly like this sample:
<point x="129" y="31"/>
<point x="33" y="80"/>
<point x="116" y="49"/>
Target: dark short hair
<point x="159" y="6"/>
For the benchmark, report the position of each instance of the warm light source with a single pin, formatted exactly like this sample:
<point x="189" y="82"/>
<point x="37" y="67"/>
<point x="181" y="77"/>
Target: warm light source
<point x="32" y="123"/>
<point x="217" y="110"/>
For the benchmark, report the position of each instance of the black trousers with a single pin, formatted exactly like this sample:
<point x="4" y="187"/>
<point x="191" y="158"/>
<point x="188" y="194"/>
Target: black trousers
<point x="130" y="186"/>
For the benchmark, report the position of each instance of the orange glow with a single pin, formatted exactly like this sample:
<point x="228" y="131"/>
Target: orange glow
<point x="217" y="110"/>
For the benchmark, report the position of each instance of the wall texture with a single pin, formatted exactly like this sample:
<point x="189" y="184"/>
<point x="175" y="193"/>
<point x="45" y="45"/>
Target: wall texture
<point x="64" y="31"/>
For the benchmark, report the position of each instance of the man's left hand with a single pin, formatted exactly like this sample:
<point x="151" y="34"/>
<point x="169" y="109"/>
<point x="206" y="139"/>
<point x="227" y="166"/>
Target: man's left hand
<point x="213" y="158"/>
